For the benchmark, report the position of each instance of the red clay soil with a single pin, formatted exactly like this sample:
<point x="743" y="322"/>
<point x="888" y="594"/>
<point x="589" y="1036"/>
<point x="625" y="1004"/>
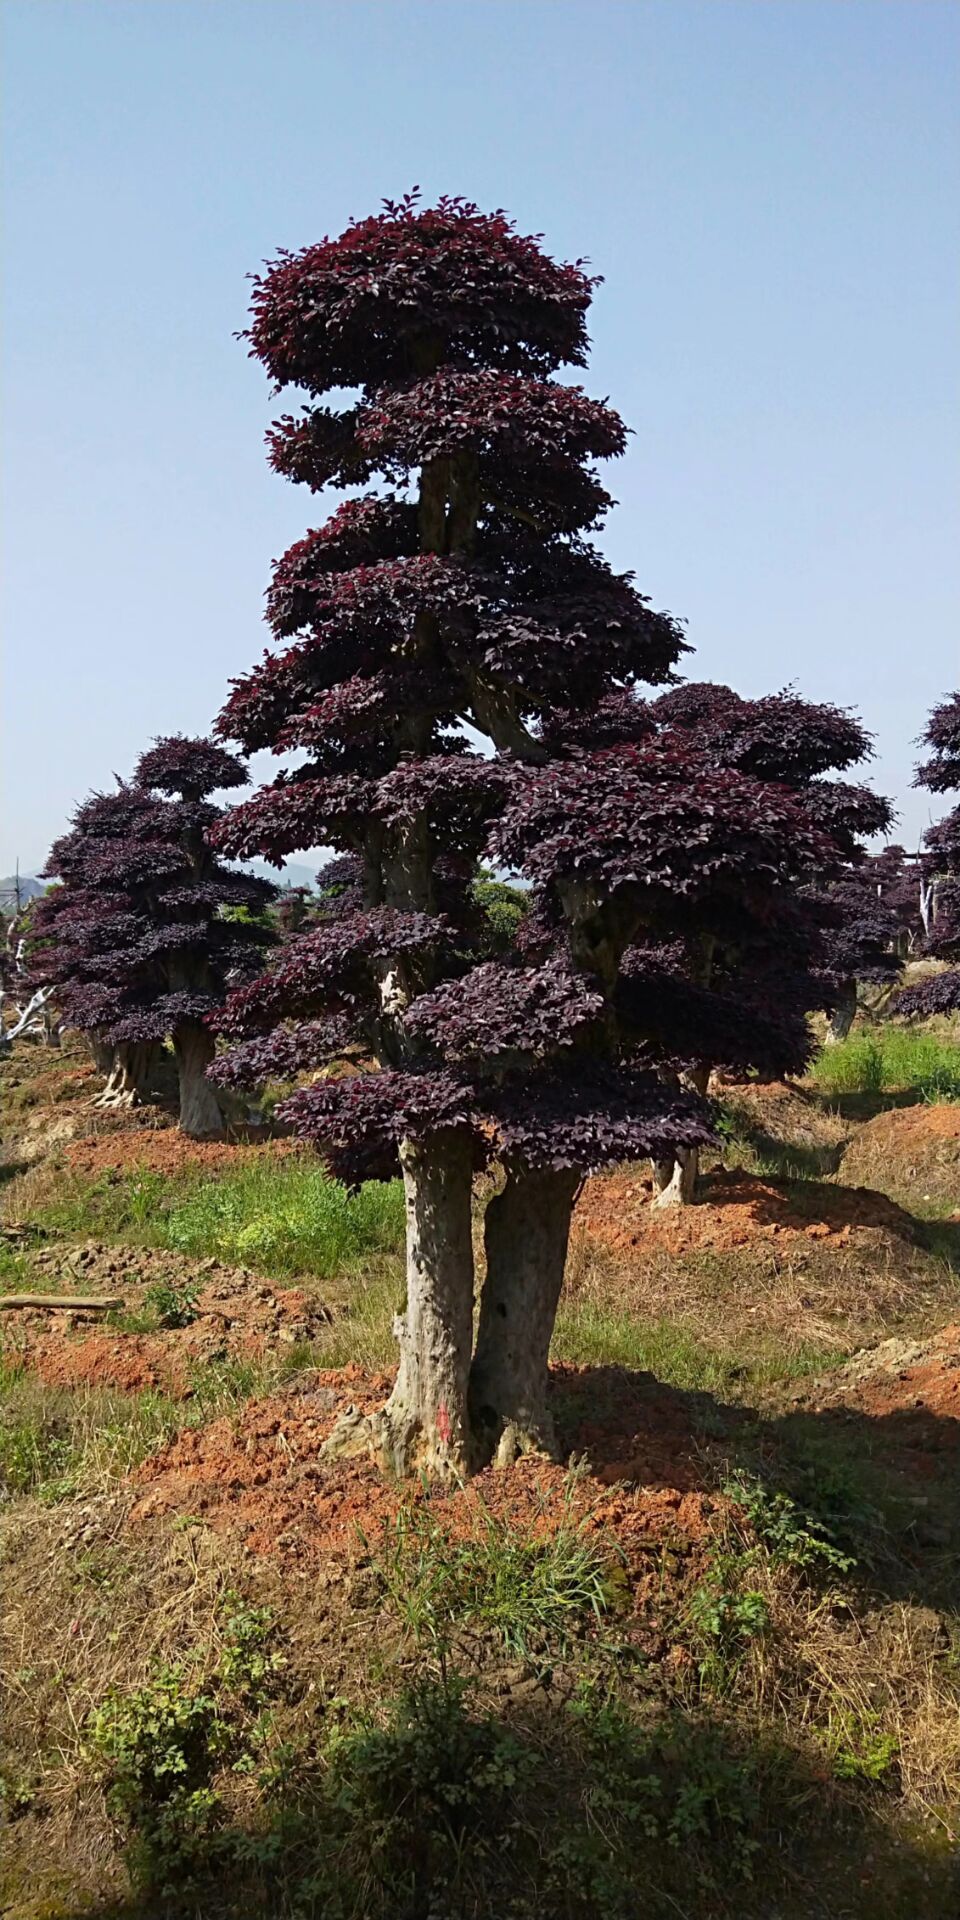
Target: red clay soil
<point x="259" y="1472"/>
<point x="163" y="1150"/>
<point x="904" y="1377"/>
<point x="237" y="1316"/>
<point x="734" y="1210"/>
<point x="125" y="1362"/>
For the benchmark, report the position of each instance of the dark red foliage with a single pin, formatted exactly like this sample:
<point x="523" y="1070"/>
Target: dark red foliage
<point x="355" y="311"/>
<point x="779" y="737"/>
<point x="659" y="820"/>
<point x="593" y="1117"/>
<point x="941" y="773"/>
<point x="499" y="1011"/>
<point x="190" y="768"/>
<point x="333" y="965"/>
<point x="693" y="1024"/>
<point x="358" y="1122"/>
<point x="860" y="935"/>
<point x="286" y="1053"/>
<point x="480" y="600"/>
<point x="133" y="939"/>
<point x="938" y="994"/>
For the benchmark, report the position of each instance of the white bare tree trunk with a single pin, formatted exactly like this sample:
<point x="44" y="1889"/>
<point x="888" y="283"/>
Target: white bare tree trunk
<point x="675" y="1180"/>
<point x="129" y="1077"/>
<point x="843" y="1015"/>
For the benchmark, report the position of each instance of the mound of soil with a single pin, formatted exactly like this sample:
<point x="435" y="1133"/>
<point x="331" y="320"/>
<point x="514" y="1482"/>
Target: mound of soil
<point x="259" y="1472"/>
<point x="162" y="1150"/>
<point x="906" y="1377"/>
<point x="237" y="1316"/>
<point x="735" y="1209"/>
<point x="756" y="1260"/>
<point x="912" y="1152"/>
<point x="778" y="1114"/>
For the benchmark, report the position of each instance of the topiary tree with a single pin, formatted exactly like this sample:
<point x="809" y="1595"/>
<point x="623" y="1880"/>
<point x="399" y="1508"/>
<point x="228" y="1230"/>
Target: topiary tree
<point x="135" y="939"/>
<point x="861" y="939"/>
<point x="471" y="594"/>
<point x="941" y="869"/>
<point x="753" y="978"/>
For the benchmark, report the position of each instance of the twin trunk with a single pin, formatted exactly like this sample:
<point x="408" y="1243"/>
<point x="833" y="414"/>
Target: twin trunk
<point x="450" y="1414"/>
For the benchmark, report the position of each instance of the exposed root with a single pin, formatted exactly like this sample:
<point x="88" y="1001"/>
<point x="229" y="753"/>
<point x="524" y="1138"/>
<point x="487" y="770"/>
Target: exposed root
<point x="515" y="1441"/>
<point x="395" y="1440"/>
<point x="117" y="1099"/>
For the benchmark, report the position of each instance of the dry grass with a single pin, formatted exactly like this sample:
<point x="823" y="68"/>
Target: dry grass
<point x="804" y="1298"/>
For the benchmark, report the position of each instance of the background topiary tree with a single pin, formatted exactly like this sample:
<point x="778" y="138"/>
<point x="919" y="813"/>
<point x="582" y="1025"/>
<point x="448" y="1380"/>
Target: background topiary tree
<point x="941" y="869"/>
<point x="471" y="594"/>
<point x="134" y="939"/>
<point x="736" y="996"/>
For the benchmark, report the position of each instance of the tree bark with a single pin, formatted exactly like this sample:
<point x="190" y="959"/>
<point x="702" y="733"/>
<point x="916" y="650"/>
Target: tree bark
<point x="200" y="1113"/>
<point x="675" y="1180"/>
<point x="128" y="1081"/>
<point x="103" y="1054"/>
<point x="425" y="1422"/>
<point x="526" y="1231"/>
<point x="843" y="1015"/>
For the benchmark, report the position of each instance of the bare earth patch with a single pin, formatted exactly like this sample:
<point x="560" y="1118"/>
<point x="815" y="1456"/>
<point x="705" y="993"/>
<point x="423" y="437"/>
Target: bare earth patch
<point x="237" y="1316"/>
<point x="260" y="1472"/>
<point x="911" y="1152"/>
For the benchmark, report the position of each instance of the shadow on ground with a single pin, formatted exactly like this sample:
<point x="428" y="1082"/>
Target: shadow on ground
<point x="444" y="1811"/>
<point x="883" y="1486"/>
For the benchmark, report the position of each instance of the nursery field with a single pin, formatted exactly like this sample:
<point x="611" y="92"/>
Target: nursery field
<point x="709" y="1665"/>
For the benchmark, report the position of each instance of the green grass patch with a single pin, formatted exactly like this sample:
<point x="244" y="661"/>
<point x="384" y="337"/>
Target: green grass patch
<point x="890" y="1060"/>
<point x="590" y="1334"/>
<point x="525" y="1593"/>
<point x="58" y="1442"/>
<point x="283" y="1217"/>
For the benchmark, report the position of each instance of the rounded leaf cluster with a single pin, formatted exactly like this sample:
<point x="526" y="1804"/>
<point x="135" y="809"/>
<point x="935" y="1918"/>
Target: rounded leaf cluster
<point x="351" y="311"/>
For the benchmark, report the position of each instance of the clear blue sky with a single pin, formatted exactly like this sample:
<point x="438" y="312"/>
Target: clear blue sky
<point x="768" y="186"/>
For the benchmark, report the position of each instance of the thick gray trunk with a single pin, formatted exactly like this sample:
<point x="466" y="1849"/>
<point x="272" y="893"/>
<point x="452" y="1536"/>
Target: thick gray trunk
<point x="843" y="1015"/>
<point x="425" y="1423"/>
<point x="526" y="1231"/>
<point x="675" y="1180"/>
<point x="200" y="1113"/>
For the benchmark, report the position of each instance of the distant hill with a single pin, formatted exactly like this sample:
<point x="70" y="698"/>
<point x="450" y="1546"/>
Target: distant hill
<point x="30" y="889"/>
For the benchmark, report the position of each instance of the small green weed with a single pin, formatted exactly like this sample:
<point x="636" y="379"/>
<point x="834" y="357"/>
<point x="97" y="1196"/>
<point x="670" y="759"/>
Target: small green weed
<point x="159" y="1748"/>
<point x="172" y="1306"/>
<point x="790" y="1535"/>
<point x="724" y="1615"/>
<point x="525" y="1593"/>
<point x="860" y="1750"/>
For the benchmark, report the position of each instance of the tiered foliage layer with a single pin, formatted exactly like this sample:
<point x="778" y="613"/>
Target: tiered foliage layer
<point x="134" y="938"/>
